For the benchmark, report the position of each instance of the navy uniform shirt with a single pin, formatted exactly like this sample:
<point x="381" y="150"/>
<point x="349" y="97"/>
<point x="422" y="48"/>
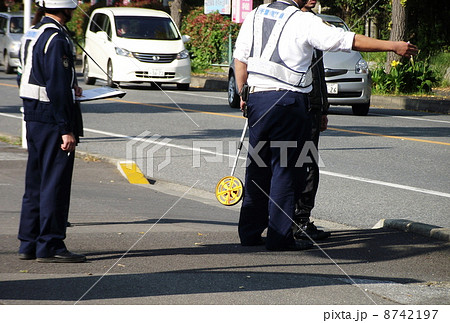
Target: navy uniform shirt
<point x="53" y="68"/>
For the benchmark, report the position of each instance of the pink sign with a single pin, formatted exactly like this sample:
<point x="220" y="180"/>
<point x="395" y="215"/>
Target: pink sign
<point x="240" y="10"/>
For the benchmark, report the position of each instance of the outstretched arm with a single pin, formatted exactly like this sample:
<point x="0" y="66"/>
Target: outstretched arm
<point x="366" y="44"/>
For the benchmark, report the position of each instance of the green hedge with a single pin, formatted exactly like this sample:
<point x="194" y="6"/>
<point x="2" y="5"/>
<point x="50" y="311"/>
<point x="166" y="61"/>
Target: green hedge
<point x="209" y="38"/>
<point x="405" y="77"/>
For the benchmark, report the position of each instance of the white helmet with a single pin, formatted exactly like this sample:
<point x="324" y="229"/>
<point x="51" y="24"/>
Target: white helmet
<point x="57" y="4"/>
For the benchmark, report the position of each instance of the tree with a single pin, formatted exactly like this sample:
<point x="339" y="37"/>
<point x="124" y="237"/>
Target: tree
<point x="356" y="12"/>
<point x="398" y="30"/>
<point x="176" y="10"/>
<point x="427" y="25"/>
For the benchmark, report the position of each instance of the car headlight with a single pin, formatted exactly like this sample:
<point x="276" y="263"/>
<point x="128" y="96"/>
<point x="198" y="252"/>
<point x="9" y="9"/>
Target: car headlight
<point x="123" y="52"/>
<point x="361" y="67"/>
<point x="183" y="54"/>
<point x="14" y="47"/>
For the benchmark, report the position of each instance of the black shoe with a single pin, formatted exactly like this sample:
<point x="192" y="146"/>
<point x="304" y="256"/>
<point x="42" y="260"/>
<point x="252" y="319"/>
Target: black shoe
<point x="66" y="256"/>
<point x="261" y="241"/>
<point x="27" y="256"/>
<point x="309" y="229"/>
<point x="296" y="246"/>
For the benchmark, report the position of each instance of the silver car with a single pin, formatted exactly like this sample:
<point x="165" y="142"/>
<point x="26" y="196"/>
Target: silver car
<point x="346" y="74"/>
<point x="11" y="31"/>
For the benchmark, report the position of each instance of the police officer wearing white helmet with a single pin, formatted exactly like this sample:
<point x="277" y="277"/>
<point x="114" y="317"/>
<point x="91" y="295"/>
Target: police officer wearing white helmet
<point x="273" y="56"/>
<point x="53" y="120"/>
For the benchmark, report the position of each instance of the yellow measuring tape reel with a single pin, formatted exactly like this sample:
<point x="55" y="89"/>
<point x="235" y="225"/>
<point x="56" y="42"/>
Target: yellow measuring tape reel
<point x="229" y="190"/>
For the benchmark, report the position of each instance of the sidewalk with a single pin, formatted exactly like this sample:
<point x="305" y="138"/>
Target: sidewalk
<point x="145" y="245"/>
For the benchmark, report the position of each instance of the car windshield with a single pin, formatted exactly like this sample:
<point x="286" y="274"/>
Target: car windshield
<point x="339" y="24"/>
<point x="16" y="25"/>
<point x="139" y="27"/>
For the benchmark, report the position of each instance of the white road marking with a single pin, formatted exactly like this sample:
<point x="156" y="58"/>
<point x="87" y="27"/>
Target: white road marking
<point x="411" y="118"/>
<point x="374" y="181"/>
<point x="421" y="119"/>
<point x="198" y="95"/>
<point x="10" y="115"/>
<point x="355" y="178"/>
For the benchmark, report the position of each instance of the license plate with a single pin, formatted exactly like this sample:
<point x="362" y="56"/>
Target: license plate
<point x="332" y="88"/>
<point x="155" y="72"/>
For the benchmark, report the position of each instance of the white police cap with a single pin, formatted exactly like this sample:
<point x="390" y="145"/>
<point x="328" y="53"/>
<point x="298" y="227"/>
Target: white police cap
<point x="57" y="4"/>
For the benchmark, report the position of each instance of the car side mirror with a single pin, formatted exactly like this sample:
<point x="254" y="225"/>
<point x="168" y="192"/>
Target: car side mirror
<point x="186" y="38"/>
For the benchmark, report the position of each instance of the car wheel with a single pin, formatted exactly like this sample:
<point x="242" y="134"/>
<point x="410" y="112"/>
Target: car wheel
<point x="87" y="80"/>
<point x="183" y="86"/>
<point x="8" y="68"/>
<point x="361" y="109"/>
<point x="110" y="81"/>
<point x="233" y="98"/>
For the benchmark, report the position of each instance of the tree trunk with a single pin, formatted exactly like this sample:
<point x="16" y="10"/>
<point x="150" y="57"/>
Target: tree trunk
<point x="175" y="11"/>
<point x="398" y="29"/>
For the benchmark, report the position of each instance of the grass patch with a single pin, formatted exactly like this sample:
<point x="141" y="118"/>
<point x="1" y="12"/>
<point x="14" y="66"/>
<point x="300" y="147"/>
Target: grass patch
<point x="435" y="65"/>
<point x="91" y="158"/>
<point x="17" y="141"/>
<point x="375" y="57"/>
<point x="440" y="63"/>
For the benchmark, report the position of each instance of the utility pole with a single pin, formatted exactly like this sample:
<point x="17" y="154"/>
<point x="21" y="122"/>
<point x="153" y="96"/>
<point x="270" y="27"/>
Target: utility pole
<point x="26" y="15"/>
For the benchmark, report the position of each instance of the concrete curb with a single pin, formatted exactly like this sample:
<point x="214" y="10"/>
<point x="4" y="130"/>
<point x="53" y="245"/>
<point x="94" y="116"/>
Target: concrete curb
<point x="156" y="184"/>
<point x="208" y="83"/>
<point x="423" y="229"/>
<point x="438" y="105"/>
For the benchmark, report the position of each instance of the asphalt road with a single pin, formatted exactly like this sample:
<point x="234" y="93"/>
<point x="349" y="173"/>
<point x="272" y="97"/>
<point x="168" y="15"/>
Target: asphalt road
<point x="391" y="164"/>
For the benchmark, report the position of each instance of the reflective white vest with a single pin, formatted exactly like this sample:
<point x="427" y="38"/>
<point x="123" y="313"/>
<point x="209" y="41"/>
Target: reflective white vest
<point x="264" y="58"/>
<point x="29" y="90"/>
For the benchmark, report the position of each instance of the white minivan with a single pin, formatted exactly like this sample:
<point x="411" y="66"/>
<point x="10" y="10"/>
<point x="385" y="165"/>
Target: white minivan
<point x="11" y="31"/>
<point x="135" y="45"/>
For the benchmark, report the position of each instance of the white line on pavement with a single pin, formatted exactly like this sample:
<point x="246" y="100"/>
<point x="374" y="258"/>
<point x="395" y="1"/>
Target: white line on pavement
<point x="374" y="181"/>
<point x="356" y="178"/>
<point x="421" y="119"/>
<point x="10" y="115"/>
<point x="410" y="118"/>
<point x="198" y="95"/>
<point x="152" y="141"/>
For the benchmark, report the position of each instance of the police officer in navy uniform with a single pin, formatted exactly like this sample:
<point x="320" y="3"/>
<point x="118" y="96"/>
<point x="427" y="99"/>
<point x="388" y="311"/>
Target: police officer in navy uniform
<point x="303" y="227"/>
<point x="273" y="55"/>
<point x="53" y="121"/>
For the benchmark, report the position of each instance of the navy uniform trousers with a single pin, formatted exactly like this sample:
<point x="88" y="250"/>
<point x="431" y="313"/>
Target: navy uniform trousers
<point x="273" y="178"/>
<point x="307" y="198"/>
<point x="45" y="204"/>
